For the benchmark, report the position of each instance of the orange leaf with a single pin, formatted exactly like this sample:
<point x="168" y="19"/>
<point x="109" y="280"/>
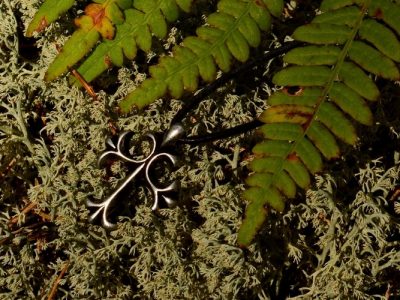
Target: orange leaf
<point x="95" y="16"/>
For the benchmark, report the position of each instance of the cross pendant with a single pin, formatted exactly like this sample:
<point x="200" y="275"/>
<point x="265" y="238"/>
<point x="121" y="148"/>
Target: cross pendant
<point x="121" y="151"/>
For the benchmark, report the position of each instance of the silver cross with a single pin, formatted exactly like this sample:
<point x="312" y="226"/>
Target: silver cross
<point x="120" y="150"/>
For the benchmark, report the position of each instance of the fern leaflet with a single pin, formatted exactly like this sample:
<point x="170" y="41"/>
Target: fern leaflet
<point x="348" y="40"/>
<point x="48" y="13"/>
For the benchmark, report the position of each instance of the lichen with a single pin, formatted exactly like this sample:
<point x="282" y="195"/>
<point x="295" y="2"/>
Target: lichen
<point x="342" y="242"/>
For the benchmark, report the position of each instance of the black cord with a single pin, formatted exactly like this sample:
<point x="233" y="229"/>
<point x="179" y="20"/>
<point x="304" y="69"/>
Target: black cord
<point x="221" y="134"/>
<point x="193" y="101"/>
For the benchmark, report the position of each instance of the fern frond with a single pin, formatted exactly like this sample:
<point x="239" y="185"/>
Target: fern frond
<point x="229" y="34"/>
<point x="147" y="17"/>
<point x="349" y="43"/>
<point x="48" y="13"/>
<point x="99" y="20"/>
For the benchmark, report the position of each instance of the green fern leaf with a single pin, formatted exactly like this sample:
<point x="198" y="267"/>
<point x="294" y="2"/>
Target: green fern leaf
<point x="303" y="76"/>
<point x="346" y="16"/>
<point x="147" y="17"/>
<point x="351" y="42"/>
<point x="322" y="33"/>
<point x="313" y="55"/>
<point x="48" y="13"/>
<point x="229" y="34"/>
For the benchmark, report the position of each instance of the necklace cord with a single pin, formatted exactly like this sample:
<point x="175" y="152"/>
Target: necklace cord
<point x="223" y="134"/>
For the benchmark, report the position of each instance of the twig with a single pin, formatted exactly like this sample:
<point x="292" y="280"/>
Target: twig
<point x="84" y="83"/>
<point x="8" y="168"/>
<point x="19" y="230"/>
<point x="2" y="241"/>
<point x="44" y="216"/>
<point x="388" y="292"/>
<point x="53" y="290"/>
<point x="26" y="209"/>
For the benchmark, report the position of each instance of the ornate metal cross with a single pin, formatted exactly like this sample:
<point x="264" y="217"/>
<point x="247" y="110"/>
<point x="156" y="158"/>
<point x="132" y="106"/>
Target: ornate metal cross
<point x="121" y="151"/>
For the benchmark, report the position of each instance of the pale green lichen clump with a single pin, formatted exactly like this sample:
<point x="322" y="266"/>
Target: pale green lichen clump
<point x="333" y="245"/>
